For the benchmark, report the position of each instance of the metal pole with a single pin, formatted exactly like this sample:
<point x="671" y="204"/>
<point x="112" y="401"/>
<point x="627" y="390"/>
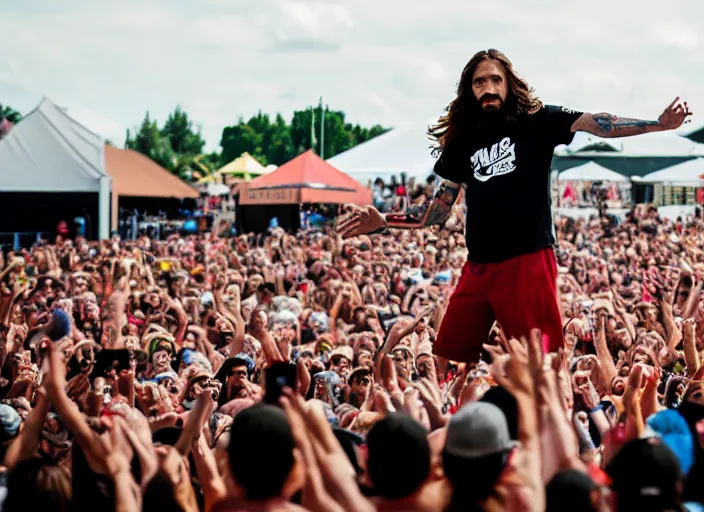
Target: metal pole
<point x="322" y="130"/>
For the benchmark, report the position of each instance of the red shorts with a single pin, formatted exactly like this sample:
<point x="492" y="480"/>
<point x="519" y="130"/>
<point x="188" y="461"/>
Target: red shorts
<point x="520" y="293"/>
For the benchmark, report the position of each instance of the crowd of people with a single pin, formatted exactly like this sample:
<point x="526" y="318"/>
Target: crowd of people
<point x="593" y="194"/>
<point x="296" y="372"/>
<point x="396" y="195"/>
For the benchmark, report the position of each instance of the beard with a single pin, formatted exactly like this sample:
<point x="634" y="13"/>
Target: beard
<point x="492" y="114"/>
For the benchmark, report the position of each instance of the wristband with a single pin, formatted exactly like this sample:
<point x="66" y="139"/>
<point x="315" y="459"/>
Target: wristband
<point x="597" y="409"/>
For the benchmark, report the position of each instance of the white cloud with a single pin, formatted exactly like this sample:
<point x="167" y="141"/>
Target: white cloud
<point x="678" y="37"/>
<point x="392" y="62"/>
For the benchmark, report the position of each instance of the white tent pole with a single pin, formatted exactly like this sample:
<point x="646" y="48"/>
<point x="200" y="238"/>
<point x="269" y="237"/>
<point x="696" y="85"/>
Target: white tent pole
<point x="104" y="208"/>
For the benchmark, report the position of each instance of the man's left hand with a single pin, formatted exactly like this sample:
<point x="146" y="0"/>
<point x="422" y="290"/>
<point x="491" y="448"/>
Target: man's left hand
<point x="674" y="115"/>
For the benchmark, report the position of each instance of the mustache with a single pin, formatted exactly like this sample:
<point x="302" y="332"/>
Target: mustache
<point x="487" y="97"/>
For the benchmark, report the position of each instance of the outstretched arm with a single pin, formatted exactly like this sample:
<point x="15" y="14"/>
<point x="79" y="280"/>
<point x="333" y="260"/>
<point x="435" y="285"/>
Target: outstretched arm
<point x="368" y="220"/>
<point x="611" y="126"/>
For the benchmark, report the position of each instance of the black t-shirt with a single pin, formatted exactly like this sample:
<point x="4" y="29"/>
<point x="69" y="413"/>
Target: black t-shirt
<point x="506" y="170"/>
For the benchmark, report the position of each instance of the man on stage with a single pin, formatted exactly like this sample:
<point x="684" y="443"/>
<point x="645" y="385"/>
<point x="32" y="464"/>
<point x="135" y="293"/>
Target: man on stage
<point x="497" y="141"/>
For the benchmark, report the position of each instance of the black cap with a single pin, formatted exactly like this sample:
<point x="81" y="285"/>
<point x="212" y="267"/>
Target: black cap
<point x="398" y="456"/>
<point x="645" y="475"/>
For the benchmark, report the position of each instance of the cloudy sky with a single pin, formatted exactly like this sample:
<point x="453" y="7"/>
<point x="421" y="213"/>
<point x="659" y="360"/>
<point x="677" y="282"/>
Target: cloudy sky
<point x="393" y="62"/>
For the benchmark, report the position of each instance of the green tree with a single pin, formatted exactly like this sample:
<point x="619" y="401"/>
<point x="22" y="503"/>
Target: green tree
<point x="146" y="138"/>
<point x="237" y="139"/>
<point x="211" y="160"/>
<point x="148" y="141"/>
<point x="303" y="131"/>
<point x="183" y="138"/>
<point x="279" y="149"/>
<point x="336" y="138"/>
<point x="9" y="113"/>
<point x="276" y="142"/>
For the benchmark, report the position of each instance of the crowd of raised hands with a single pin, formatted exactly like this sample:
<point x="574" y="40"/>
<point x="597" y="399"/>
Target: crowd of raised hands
<point x="135" y="376"/>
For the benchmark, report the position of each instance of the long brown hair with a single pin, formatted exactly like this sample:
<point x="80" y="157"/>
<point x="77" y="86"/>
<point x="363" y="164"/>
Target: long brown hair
<point x="520" y="99"/>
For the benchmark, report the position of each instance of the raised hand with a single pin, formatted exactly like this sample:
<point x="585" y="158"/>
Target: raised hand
<point x="674" y="115"/>
<point x="360" y="221"/>
<point x="431" y="396"/>
<point x="589" y="394"/>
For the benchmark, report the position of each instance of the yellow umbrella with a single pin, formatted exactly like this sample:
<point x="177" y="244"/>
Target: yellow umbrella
<point x="245" y="166"/>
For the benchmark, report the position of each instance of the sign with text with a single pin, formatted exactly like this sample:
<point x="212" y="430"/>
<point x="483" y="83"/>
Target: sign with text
<point x="271" y="196"/>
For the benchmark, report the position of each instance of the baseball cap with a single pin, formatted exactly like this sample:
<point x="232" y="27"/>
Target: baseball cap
<point x="9" y="423"/>
<point x="476" y="430"/>
<point x="261" y="451"/>
<point x="398" y="456"/>
<point x="645" y="474"/>
<point x="163" y="342"/>
<point x="570" y="490"/>
<point x="672" y="428"/>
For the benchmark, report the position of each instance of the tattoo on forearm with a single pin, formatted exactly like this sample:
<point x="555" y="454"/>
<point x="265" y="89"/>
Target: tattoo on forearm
<point x="609" y="122"/>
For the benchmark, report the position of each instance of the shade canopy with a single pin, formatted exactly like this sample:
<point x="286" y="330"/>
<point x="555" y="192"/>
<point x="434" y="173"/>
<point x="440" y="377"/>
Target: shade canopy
<point x="591" y="172"/>
<point x="48" y="151"/>
<point x="244" y="166"/>
<point x="136" y="175"/>
<point x="305" y="179"/>
<point x="686" y="174"/>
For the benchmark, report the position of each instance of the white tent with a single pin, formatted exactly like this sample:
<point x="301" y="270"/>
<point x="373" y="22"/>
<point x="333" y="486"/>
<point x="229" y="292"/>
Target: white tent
<point x="48" y="151"/>
<point x="591" y="171"/>
<point x="399" y="150"/>
<point x="662" y="144"/>
<point x="217" y="189"/>
<point x="685" y="174"/>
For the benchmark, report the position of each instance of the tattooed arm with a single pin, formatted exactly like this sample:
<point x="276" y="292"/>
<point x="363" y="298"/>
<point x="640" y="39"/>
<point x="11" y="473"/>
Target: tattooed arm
<point x="435" y="212"/>
<point x="611" y="126"/>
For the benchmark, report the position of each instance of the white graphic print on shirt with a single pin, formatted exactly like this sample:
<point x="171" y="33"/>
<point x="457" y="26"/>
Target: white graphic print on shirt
<point x="496" y="160"/>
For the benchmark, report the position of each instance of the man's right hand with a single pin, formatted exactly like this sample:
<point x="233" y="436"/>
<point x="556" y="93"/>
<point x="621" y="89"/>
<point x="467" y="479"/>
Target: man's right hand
<point x="360" y="221"/>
